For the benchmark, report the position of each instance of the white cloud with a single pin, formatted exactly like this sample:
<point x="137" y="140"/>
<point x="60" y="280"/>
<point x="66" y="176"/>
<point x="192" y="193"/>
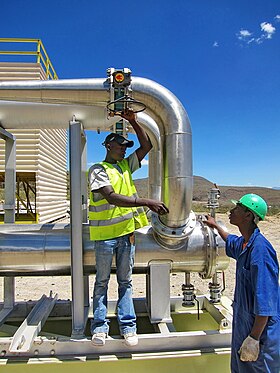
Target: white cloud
<point x="251" y="40"/>
<point x="268" y="29"/>
<point x="259" y="40"/>
<point x="243" y="34"/>
<point x="215" y="44"/>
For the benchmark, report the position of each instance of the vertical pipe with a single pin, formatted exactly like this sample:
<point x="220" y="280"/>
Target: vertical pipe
<point x="77" y="280"/>
<point x="9" y="292"/>
<point x="9" y="206"/>
<point x="176" y="148"/>
<point x="17" y="187"/>
<point x="155" y="170"/>
<point x="10" y="179"/>
<point x="84" y="191"/>
<point x="84" y="177"/>
<point x="187" y="278"/>
<point x="9" y="217"/>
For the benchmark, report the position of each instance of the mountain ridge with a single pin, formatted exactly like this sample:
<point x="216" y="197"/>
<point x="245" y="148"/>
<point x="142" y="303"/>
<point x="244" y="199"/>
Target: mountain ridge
<point x="202" y="187"/>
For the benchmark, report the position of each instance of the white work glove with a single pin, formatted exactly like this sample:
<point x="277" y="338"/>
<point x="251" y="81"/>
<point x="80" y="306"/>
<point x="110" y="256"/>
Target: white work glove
<point x="249" y="350"/>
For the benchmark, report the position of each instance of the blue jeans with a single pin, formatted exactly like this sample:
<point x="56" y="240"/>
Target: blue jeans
<point x="104" y="252"/>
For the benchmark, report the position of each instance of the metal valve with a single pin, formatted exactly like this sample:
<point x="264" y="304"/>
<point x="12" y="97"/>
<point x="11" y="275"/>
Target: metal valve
<point x="213" y="199"/>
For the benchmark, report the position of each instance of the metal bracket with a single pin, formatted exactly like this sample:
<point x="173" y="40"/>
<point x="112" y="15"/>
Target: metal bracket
<point x="159" y="292"/>
<point x="5" y="135"/>
<point x="32" y="325"/>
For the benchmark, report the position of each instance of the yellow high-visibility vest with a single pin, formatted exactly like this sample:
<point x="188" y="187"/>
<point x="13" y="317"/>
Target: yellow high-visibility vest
<point x="109" y="221"/>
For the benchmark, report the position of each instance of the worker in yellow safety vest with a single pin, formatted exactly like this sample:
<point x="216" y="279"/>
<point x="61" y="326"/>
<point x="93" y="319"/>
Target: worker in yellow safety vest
<point x="115" y="212"/>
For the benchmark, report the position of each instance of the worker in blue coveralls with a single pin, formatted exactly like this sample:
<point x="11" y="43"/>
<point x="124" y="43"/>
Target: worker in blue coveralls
<point x="256" y="306"/>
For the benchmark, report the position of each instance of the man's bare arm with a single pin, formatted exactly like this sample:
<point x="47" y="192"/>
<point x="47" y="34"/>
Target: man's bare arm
<point x="125" y="201"/>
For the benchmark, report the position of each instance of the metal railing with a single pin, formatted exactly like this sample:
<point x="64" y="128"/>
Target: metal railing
<point x="40" y="54"/>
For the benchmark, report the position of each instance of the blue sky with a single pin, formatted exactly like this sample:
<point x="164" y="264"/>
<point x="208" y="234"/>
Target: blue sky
<point x="220" y="58"/>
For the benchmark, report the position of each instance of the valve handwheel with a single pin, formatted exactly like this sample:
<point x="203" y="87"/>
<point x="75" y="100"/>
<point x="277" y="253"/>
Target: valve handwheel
<point x="126" y="102"/>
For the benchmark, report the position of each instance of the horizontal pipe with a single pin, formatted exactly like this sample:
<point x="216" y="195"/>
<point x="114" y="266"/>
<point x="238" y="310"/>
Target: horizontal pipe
<point x="45" y="250"/>
<point x="87" y="99"/>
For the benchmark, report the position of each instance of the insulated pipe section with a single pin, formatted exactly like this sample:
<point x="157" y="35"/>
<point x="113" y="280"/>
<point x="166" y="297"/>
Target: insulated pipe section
<point x="45" y="250"/>
<point x="155" y="167"/>
<point x="174" y="126"/>
<point x="51" y="104"/>
<point x="162" y="106"/>
<point x="64" y="91"/>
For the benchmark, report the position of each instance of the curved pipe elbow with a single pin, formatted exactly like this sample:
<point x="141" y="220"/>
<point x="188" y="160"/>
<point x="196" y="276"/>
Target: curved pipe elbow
<point x="176" y="148"/>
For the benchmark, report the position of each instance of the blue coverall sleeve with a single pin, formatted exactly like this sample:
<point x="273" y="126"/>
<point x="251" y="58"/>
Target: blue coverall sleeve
<point x="264" y="277"/>
<point x="233" y="244"/>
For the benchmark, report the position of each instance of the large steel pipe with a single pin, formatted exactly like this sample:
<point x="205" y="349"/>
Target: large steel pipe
<point x="163" y="107"/>
<point x="45" y="250"/>
<point x="176" y="138"/>
<point x="155" y="166"/>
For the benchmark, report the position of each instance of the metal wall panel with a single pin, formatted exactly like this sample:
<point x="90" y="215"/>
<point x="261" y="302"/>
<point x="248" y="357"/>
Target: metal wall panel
<point x="40" y="151"/>
<point x="51" y="176"/>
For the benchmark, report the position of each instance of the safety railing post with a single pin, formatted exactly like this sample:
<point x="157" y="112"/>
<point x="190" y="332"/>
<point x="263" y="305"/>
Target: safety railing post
<point x="48" y="68"/>
<point x="39" y="51"/>
<point x="42" y="57"/>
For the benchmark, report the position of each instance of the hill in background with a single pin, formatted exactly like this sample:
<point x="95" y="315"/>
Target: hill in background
<point x="202" y="187"/>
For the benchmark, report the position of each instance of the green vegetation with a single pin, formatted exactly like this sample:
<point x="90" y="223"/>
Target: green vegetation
<point x="273" y="210"/>
<point x="202" y="208"/>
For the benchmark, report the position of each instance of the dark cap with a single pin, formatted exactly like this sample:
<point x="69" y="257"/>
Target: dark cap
<point x="119" y="139"/>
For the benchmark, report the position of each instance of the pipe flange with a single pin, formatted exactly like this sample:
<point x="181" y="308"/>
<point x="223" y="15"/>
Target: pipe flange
<point x="212" y="248"/>
<point x="173" y="232"/>
<point x="172" y="238"/>
<point x="211" y="252"/>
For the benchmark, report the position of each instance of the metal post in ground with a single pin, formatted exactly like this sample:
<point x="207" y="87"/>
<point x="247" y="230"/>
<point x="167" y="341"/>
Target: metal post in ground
<point x="77" y="278"/>
<point x="9" y="213"/>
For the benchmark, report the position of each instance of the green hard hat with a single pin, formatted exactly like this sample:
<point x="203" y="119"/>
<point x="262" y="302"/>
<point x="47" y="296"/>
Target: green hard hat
<point x="254" y="203"/>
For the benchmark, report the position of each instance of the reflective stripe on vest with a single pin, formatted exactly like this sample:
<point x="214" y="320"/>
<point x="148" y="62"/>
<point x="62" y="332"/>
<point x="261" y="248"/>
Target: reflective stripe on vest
<point x="106" y="223"/>
<point x="110" y="221"/>
<point x="106" y="206"/>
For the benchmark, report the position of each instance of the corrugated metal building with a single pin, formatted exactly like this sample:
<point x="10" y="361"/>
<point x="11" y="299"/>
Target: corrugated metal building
<point x="40" y="159"/>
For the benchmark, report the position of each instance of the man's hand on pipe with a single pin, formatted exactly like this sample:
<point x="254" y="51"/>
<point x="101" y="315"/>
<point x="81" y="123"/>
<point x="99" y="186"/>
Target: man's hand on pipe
<point x="157" y="206"/>
<point x="210" y="221"/>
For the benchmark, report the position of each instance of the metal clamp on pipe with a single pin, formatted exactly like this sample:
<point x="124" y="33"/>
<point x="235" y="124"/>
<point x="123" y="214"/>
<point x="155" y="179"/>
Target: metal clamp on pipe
<point x="172" y="238"/>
